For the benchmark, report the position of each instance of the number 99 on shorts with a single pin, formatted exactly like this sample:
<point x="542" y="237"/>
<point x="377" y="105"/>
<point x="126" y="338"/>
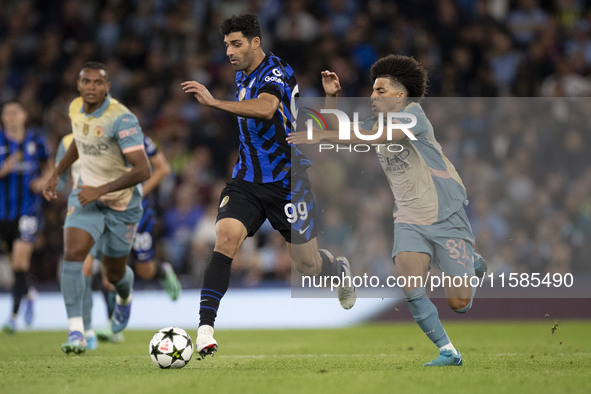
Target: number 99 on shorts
<point x="295" y="212"/>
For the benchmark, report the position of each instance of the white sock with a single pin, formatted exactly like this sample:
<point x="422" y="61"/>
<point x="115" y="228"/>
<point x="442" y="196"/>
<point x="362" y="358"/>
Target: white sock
<point x="76" y="324"/>
<point x="121" y="301"/>
<point x="89" y="333"/>
<point x="449" y="346"/>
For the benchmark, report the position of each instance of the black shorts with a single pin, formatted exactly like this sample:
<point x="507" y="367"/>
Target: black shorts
<point x="24" y="228"/>
<point x="291" y="212"/>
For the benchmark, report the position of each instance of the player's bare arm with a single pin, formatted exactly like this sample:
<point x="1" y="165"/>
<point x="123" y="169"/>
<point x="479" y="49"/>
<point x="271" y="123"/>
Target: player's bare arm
<point x="38" y="183"/>
<point x="9" y="164"/>
<point x="140" y="171"/>
<point x="160" y="170"/>
<point x="49" y="189"/>
<point x="262" y="107"/>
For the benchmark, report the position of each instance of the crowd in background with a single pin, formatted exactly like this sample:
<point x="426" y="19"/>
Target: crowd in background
<point x="528" y="177"/>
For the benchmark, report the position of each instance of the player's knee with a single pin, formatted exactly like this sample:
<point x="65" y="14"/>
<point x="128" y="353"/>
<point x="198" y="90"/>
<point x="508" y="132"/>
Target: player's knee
<point x="114" y="274"/>
<point x="75" y="253"/>
<point x="460" y="305"/>
<point x="227" y="242"/>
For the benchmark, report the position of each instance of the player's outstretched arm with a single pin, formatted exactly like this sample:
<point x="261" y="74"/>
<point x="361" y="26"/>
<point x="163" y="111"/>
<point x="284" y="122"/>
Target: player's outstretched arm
<point x="140" y="171"/>
<point x="49" y="189"/>
<point x="262" y="107"/>
<point x="160" y="170"/>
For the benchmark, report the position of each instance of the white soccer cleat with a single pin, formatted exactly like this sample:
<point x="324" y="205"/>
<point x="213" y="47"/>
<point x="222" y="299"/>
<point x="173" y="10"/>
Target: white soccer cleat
<point x="205" y="344"/>
<point x="347" y="294"/>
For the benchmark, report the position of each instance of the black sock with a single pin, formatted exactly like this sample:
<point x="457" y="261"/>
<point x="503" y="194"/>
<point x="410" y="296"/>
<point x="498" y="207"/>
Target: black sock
<point x="160" y="273"/>
<point x="329" y="268"/>
<point x="21" y="287"/>
<point x="215" y="283"/>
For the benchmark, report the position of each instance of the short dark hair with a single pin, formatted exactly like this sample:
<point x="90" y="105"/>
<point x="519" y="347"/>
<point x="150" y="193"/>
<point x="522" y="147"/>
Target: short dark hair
<point x="96" y="66"/>
<point x="247" y="24"/>
<point x="403" y="70"/>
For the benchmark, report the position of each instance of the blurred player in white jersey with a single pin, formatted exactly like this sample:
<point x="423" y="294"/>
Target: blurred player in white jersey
<point x="106" y="203"/>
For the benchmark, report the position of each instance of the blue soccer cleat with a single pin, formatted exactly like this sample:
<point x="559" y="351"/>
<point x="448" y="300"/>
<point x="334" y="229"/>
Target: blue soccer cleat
<point x="480" y="267"/>
<point x="120" y="317"/>
<point x="76" y="343"/>
<point x="91" y="342"/>
<point x="446" y="358"/>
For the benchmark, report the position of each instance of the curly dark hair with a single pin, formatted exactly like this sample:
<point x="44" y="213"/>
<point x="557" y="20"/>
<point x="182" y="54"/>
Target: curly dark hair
<point x="96" y="66"/>
<point x="404" y="70"/>
<point x="248" y="24"/>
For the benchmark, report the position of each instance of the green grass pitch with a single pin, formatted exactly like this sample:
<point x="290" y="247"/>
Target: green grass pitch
<point x="499" y="357"/>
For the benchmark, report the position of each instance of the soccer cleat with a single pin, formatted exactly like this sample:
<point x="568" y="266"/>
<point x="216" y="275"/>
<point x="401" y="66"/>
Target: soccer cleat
<point x="10" y="326"/>
<point x="106" y="335"/>
<point x="76" y="343"/>
<point x="170" y="283"/>
<point x="120" y="317"/>
<point x="29" y="306"/>
<point x="205" y="344"/>
<point x="92" y="342"/>
<point x="446" y="358"/>
<point x="347" y="294"/>
<point x="480" y="267"/>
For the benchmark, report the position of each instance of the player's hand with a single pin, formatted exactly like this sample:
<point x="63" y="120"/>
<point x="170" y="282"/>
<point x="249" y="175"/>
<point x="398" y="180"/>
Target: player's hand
<point x="330" y="83"/>
<point x="37" y="185"/>
<point x="48" y="189"/>
<point x="301" y="137"/>
<point x="10" y="163"/>
<point x="88" y="194"/>
<point x="200" y="92"/>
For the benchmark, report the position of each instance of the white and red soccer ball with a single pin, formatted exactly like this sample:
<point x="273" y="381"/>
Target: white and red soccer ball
<point x="171" y="347"/>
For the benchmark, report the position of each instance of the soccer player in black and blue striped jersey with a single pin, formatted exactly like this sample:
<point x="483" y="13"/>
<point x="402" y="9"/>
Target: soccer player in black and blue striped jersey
<point x="269" y="180"/>
<point x="24" y="158"/>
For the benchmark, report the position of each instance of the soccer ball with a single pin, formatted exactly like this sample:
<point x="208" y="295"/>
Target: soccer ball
<point x="171" y="347"/>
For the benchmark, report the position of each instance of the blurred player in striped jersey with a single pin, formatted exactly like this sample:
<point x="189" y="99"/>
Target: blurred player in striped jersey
<point x="268" y="181"/>
<point x="431" y="227"/>
<point x="24" y="158"/>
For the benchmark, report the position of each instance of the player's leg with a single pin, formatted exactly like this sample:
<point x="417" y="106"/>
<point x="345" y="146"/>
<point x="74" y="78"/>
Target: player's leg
<point x="240" y="214"/>
<point x="412" y="256"/>
<point x="108" y="290"/>
<point x="230" y="235"/>
<point x="291" y="210"/>
<point x="83" y="226"/>
<point x="309" y="260"/>
<point x="143" y="251"/>
<point x="456" y="258"/>
<point x="77" y="245"/>
<point x="90" y="335"/>
<point x="121" y="276"/>
<point x="19" y="236"/>
<point x="20" y="262"/>
<point x="117" y="242"/>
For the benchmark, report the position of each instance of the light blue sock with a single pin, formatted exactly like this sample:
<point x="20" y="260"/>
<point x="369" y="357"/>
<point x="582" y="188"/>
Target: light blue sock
<point x="467" y="307"/>
<point x="87" y="303"/>
<point x="125" y="285"/>
<point x="426" y="316"/>
<point x="72" y="286"/>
